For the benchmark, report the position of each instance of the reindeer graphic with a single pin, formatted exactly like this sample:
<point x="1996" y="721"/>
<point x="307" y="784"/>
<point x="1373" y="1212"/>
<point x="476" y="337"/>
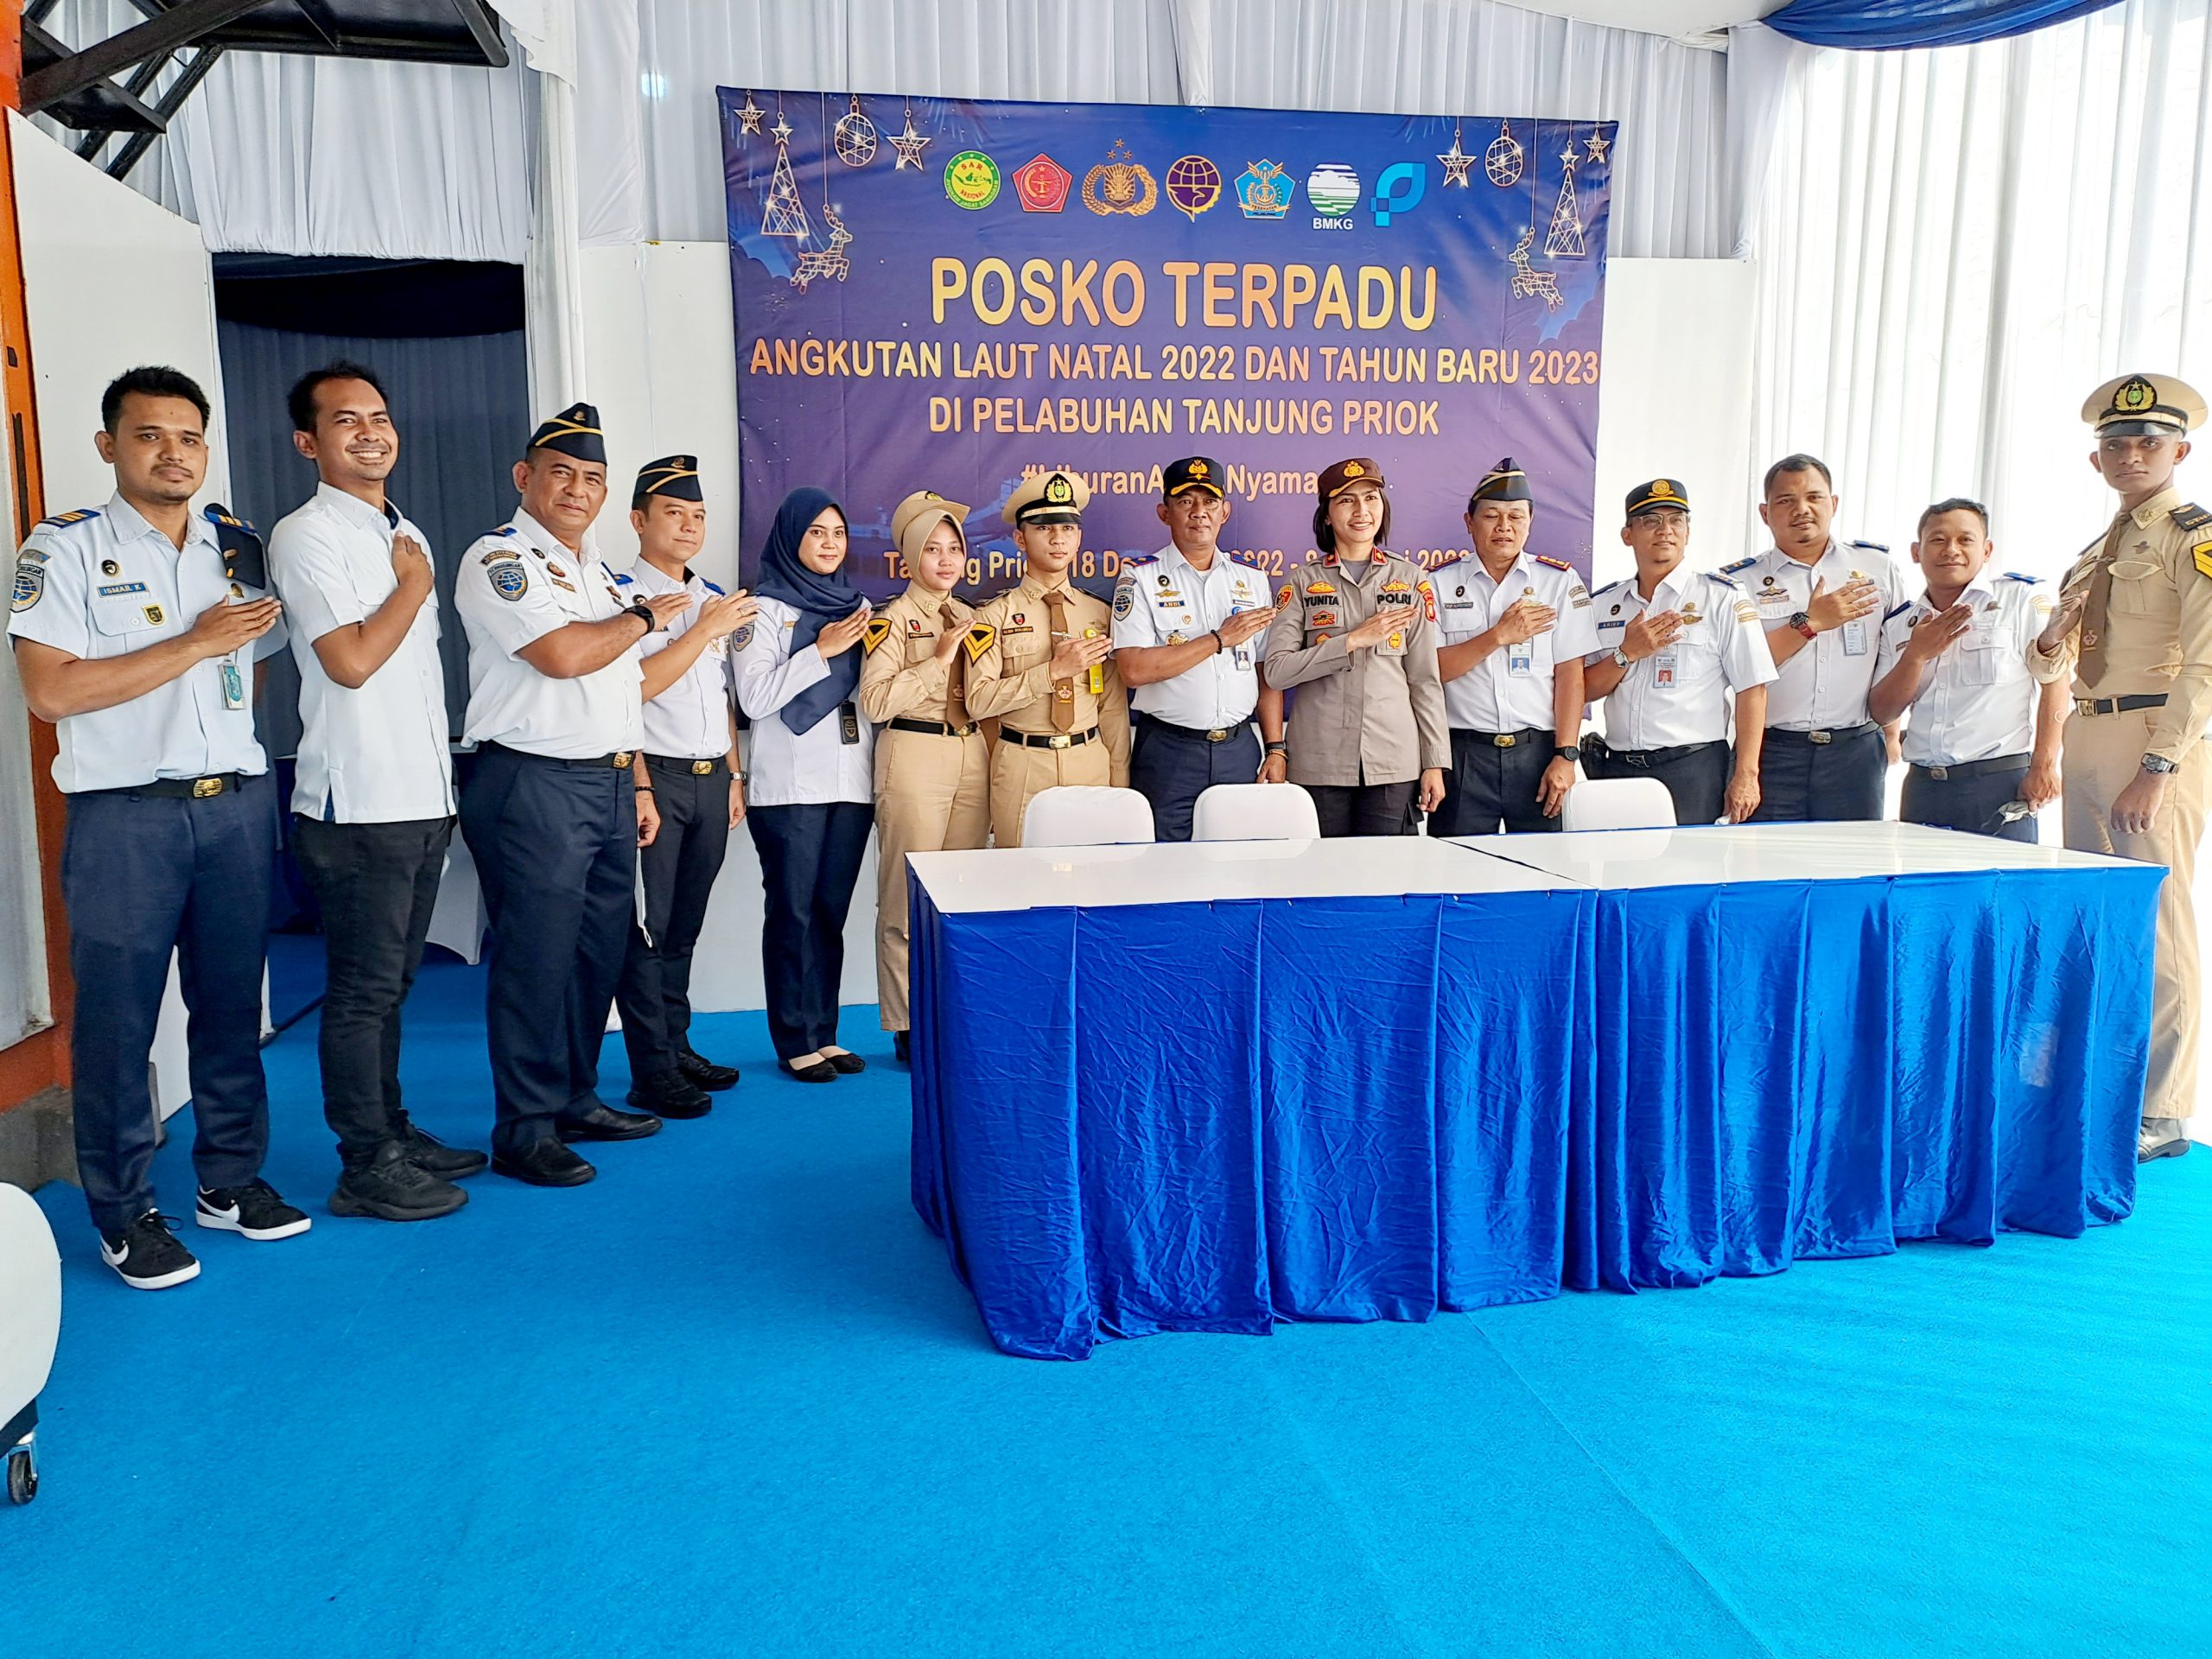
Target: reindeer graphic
<point x="1528" y="281"/>
<point x="833" y="262"/>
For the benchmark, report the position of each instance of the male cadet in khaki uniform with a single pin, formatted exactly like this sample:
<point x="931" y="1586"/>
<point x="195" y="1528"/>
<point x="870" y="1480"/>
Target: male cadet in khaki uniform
<point x="1981" y="747"/>
<point x="1043" y="672"/>
<point x="1516" y="626"/>
<point x="1821" y="603"/>
<point x="1673" y="643"/>
<point x="2141" y="598"/>
<point x="1186" y="622"/>
<point x="932" y="762"/>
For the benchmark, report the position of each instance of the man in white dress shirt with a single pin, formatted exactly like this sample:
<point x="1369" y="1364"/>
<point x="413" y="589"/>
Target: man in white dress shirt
<point x="1673" y="645"/>
<point x="1186" y="621"/>
<point x="691" y="754"/>
<point x="1982" y="740"/>
<point x="373" y="800"/>
<point x="1821" y="603"/>
<point x="559" y="800"/>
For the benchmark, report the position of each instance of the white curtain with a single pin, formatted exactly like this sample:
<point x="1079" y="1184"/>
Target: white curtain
<point x="1957" y="246"/>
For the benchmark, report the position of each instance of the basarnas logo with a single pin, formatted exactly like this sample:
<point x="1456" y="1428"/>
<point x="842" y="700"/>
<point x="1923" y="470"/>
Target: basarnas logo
<point x="1264" y="190"/>
<point x="1333" y="190"/>
<point x="971" y="180"/>
<point x="1399" y="190"/>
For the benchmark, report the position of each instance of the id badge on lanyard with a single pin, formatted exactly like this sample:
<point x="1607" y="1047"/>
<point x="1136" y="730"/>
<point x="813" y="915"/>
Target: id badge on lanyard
<point x="1662" y="667"/>
<point x="1521" y="659"/>
<point x="1855" y="638"/>
<point x="233" y="683"/>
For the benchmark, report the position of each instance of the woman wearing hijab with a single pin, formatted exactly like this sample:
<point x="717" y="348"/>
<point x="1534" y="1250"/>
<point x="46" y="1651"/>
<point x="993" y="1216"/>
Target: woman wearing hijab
<point x="932" y="765"/>
<point x="810" y="774"/>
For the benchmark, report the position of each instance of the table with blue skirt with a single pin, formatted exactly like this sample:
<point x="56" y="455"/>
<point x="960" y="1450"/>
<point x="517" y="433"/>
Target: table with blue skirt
<point x="1210" y="1086"/>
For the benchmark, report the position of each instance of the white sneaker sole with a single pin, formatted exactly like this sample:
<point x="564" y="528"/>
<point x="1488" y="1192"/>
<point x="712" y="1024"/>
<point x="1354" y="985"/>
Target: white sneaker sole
<point x="158" y="1281"/>
<point x="230" y="1224"/>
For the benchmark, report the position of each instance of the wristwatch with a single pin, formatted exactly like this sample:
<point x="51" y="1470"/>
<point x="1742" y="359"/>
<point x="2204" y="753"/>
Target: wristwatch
<point x="1803" y="622"/>
<point x="1622" y="658"/>
<point x="644" y="612"/>
<point x="1568" y="752"/>
<point x="2160" y="764"/>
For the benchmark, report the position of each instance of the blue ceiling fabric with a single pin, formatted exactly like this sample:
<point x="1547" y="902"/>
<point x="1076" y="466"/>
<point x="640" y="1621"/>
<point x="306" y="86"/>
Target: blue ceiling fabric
<point x="1888" y="25"/>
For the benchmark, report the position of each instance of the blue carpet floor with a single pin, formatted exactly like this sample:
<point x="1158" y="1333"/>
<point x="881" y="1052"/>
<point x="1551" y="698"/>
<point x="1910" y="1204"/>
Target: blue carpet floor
<point x="730" y="1399"/>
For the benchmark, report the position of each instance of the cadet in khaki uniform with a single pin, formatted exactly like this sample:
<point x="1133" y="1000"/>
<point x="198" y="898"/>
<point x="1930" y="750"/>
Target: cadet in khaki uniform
<point x="1356" y="630"/>
<point x="2136" y="612"/>
<point x="1043" y="672"/>
<point x="932" y="763"/>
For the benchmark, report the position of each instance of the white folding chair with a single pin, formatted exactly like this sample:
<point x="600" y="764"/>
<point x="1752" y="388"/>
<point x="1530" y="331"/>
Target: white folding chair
<point x="30" y="1324"/>
<point x="1255" y="812"/>
<point x="1619" y="804"/>
<point x="1078" y="815"/>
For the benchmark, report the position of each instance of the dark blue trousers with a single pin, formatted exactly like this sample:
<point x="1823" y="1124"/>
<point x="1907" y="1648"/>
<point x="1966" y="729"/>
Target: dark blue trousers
<point x="1490" y="788"/>
<point x="679" y="870"/>
<point x="144" y="875"/>
<point x="555" y="844"/>
<point x="1969" y="804"/>
<point x="1800" y="781"/>
<point x="809" y="858"/>
<point x="1171" y="767"/>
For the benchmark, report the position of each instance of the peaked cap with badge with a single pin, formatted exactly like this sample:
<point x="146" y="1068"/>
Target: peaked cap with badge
<point x="1054" y="498"/>
<point x="2134" y="405"/>
<point x="915" y="519"/>
<point x="1191" y="472"/>
<point x="1345" y="473"/>
<point x="1659" y="493"/>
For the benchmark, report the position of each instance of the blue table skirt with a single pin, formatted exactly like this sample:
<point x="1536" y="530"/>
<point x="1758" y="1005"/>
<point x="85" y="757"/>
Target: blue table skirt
<point x="1824" y="1068"/>
<point x="1213" y="1116"/>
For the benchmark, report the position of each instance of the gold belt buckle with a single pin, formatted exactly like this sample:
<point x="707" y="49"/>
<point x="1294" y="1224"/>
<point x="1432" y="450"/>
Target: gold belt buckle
<point x="1220" y="734"/>
<point x="2085" y="705"/>
<point x="202" y="788"/>
<point x="701" y="768"/>
<point x="1060" y="741"/>
<point x="1819" y="737"/>
<point x="621" y="761"/>
<point x="1503" y="739"/>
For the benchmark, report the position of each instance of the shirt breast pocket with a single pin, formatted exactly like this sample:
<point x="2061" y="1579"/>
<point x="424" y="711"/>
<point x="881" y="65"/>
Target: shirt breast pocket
<point x="120" y="617"/>
<point x="2139" y="587"/>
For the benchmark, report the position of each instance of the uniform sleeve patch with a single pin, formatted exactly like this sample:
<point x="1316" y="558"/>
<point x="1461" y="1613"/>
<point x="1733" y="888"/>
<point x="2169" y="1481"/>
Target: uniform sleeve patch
<point x="29" y="586"/>
<point x="2201" y="553"/>
<point x="1428" y="598"/>
<point x="877" y="631"/>
<point x="1745" y="611"/>
<point x="1283" y="596"/>
<point x="509" y="578"/>
<point x="1125" y="598"/>
<point x="979" y="640"/>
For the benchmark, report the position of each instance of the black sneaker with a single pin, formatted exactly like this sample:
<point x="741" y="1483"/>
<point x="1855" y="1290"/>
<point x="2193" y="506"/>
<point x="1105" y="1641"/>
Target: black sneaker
<point x="704" y="1072"/>
<point x="428" y="1154"/>
<point x="394" y="1188"/>
<point x="253" y="1210"/>
<point x="670" y="1094"/>
<point x="146" y="1255"/>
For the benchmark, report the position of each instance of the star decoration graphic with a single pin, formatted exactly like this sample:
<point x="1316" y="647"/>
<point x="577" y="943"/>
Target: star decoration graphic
<point x="1456" y="162"/>
<point x="1570" y="154"/>
<point x="782" y="128"/>
<point x="1598" y="147"/>
<point x="750" y="115"/>
<point x="909" y="145"/>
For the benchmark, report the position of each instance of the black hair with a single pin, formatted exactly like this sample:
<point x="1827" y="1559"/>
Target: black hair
<point x="1954" y="504"/>
<point x="150" y="380"/>
<point x="300" y="401"/>
<point x="1324" y="533"/>
<point x="1799" y="463"/>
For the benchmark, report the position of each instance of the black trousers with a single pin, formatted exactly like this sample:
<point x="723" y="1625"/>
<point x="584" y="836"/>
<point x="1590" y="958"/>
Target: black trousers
<point x="1800" y="781"/>
<point x="809" y="859"/>
<point x="679" y="869"/>
<point x="1697" y="778"/>
<point x="144" y="875"/>
<point x="1969" y="803"/>
<point x="1171" y="767"/>
<point x="555" y="844"/>
<point x="377" y="884"/>
<point x="1365" y="809"/>
<point x="1489" y="787"/>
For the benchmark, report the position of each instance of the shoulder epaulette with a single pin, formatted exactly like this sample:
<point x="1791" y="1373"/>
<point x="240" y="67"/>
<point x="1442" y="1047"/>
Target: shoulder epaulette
<point x="244" y="559"/>
<point x="1740" y="564"/>
<point x="2189" y="516"/>
<point x="504" y="529"/>
<point x="1900" y="611"/>
<point x="1556" y="564"/>
<point x="712" y="587"/>
<point x="1871" y="547"/>
<point x="2014" y="575"/>
<point x="622" y="580"/>
<point x="1141" y="558"/>
<point x="62" y="520"/>
<point x="877" y="631"/>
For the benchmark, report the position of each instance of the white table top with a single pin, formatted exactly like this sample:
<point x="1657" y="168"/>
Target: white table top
<point x="1025" y="878"/>
<point x="1709" y="855"/>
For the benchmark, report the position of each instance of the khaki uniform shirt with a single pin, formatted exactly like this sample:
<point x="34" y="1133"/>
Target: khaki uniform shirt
<point x="2159" y="623"/>
<point x="1371" y="717"/>
<point x="902" y="679"/>
<point x="1010" y="678"/>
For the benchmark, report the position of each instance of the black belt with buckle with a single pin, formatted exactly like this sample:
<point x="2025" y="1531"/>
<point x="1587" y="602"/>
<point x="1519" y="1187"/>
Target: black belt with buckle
<point x="184" y="788"/>
<point x="1505" y="740"/>
<point x="2119" y="705"/>
<point x="1217" y="734"/>
<point x="1047" y="739"/>
<point x="1831" y="735"/>
<point x="934" y="727"/>
<point x="1966" y="769"/>
<point x="619" y="759"/>
<point x="661" y="763"/>
<point x="1651" y="757"/>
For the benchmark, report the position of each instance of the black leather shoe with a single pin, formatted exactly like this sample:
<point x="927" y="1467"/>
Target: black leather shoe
<point x="670" y="1094"/>
<point x="704" y="1073"/>
<point x="604" y="1123"/>
<point x="431" y="1155"/>
<point x="846" y="1062"/>
<point x="902" y="1047"/>
<point x="812" y="1072"/>
<point x="547" y="1164"/>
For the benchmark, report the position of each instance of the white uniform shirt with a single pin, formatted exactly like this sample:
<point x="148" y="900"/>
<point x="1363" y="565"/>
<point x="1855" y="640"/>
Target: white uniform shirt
<point x="103" y="583"/>
<point x="690" y="719"/>
<point x="515" y="586"/>
<point x="1511" y="690"/>
<point x="1980" y="700"/>
<point x="1824" y="686"/>
<point x="783" y="767"/>
<point x="1167" y="600"/>
<point x="380" y="754"/>
<point x="1682" y="694"/>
